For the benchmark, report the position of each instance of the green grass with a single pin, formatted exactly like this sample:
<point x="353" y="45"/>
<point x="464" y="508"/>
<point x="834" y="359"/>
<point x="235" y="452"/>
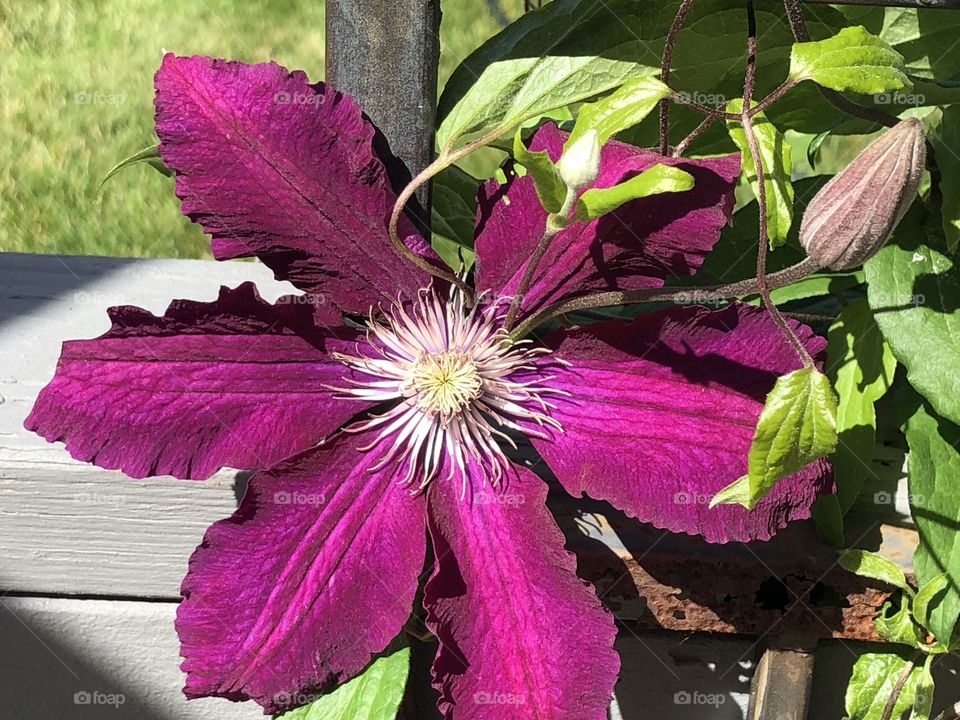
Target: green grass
<point x="76" y="97"/>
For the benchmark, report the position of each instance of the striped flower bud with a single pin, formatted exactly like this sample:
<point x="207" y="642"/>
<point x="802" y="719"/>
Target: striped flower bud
<point x="855" y="212"/>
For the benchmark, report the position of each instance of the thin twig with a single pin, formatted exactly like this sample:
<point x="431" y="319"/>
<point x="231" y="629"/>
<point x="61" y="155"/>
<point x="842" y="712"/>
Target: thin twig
<point x="895" y="692"/>
<point x="527" y="278"/>
<point x="762" y="285"/>
<point x="703" y="295"/>
<point x="799" y="27"/>
<point x="778" y="93"/>
<point x="951" y="713"/>
<point x="401" y="247"/>
<point x="693" y="135"/>
<point x="555" y="223"/>
<point x="446" y="158"/>
<point x="665" y="61"/>
<point x="705" y="109"/>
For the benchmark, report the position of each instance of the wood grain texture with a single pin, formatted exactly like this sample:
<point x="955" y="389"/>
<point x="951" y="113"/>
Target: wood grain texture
<point x="71" y="528"/>
<point x="53" y="649"/>
<point x="63" y="659"/>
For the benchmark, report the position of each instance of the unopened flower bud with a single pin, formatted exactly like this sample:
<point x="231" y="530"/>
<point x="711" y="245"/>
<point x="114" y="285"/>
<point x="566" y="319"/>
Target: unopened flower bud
<point x="580" y="163"/>
<point x="852" y="216"/>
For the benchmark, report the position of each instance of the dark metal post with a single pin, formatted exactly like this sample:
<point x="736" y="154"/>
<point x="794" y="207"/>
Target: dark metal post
<point x="385" y="53"/>
<point x="781" y="685"/>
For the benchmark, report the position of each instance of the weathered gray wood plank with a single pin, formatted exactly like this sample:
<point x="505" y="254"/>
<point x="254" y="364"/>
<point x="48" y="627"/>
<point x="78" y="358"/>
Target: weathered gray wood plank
<point x="63" y="659"/>
<point x="53" y="649"/>
<point x="67" y="527"/>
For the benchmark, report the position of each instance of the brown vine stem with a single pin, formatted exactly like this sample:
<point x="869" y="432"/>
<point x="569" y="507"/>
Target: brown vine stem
<point x="552" y="228"/>
<point x="702" y="295"/>
<point x="762" y="283"/>
<point x="799" y="27"/>
<point x="778" y="93"/>
<point x="445" y="159"/>
<point x="705" y="109"/>
<point x="693" y="135"/>
<point x="713" y="115"/>
<point x="887" y="713"/>
<point x="665" y="61"/>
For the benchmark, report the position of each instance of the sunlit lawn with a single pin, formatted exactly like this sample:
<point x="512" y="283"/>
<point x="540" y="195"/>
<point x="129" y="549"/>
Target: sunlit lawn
<point x="76" y="97"/>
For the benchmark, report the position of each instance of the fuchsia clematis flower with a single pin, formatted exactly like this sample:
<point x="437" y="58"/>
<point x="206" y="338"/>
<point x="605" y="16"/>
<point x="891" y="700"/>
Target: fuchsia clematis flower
<point x="367" y="440"/>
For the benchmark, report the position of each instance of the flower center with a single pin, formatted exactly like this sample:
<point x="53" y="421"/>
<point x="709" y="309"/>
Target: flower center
<point x="454" y="386"/>
<point x="443" y="383"/>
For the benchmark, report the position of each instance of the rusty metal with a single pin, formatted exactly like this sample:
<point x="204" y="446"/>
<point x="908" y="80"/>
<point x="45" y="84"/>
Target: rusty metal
<point x="789" y="591"/>
<point x="781" y="685"/>
<point x="386" y="55"/>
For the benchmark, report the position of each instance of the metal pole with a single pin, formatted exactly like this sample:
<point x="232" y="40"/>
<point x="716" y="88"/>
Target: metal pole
<point x="385" y="53"/>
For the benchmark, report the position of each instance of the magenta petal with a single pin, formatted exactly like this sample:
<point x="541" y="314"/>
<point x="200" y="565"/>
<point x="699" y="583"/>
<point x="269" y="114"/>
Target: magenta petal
<point x="521" y="636"/>
<point x="661" y="414"/>
<point x="236" y="382"/>
<point x="273" y="166"/>
<point x="637" y="246"/>
<point x="315" y="572"/>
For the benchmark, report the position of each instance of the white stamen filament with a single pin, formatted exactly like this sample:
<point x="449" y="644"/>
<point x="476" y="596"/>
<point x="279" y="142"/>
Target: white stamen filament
<point x="459" y="384"/>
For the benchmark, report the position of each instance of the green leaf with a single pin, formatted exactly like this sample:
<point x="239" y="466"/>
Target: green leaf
<point x="828" y="519"/>
<point x="925" y="596"/>
<point x="512" y="91"/>
<point x="861" y="367"/>
<point x="817" y="285"/>
<point x="796" y="426"/>
<point x="375" y="694"/>
<point x="654" y="180"/>
<point x="569" y="51"/>
<point x="913" y="288"/>
<point x="623" y="108"/>
<point x="453" y="205"/>
<point x="453" y="209"/>
<point x="149" y="155"/>
<point x="933" y="468"/>
<point x="925" y="37"/>
<point x="923" y="702"/>
<point x="735" y="255"/>
<point x="776" y="163"/>
<point x="853" y="60"/>
<point x="872" y="682"/>
<point x="873" y="565"/>
<point x="550" y="188"/>
<point x="898" y="627"/>
<point x="946" y="146"/>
